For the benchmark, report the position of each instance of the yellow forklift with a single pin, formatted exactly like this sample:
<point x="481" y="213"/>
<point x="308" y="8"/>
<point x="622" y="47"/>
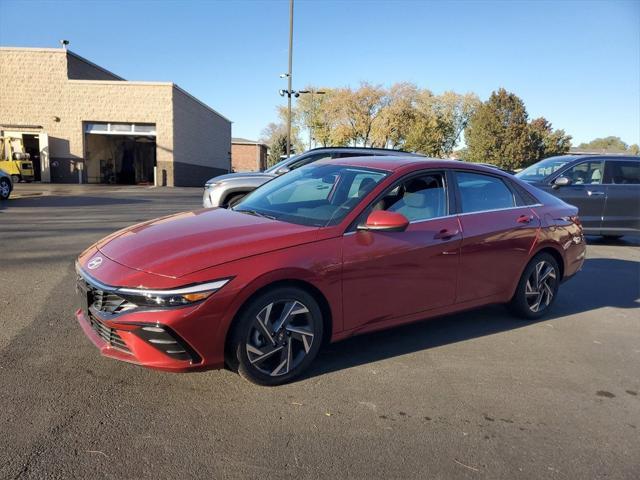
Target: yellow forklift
<point x="14" y="160"/>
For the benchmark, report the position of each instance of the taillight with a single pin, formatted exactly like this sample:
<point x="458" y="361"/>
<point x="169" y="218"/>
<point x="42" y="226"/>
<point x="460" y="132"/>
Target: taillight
<point x="575" y="219"/>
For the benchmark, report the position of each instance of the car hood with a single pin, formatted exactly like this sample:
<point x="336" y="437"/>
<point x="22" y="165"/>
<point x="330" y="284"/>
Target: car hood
<point x="187" y="242"/>
<point x="235" y="176"/>
<point x="531" y="182"/>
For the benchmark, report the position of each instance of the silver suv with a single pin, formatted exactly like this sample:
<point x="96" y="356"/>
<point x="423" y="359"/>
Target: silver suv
<point x="227" y="190"/>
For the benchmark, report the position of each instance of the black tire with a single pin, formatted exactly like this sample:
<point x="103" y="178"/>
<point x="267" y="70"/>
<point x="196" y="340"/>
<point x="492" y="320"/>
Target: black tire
<point x="279" y="355"/>
<point x="530" y="301"/>
<point x="612" y="237"/>
<point x="5" y="188"/>
<point x="234" y="199"/>
<point x="15" y="179"/>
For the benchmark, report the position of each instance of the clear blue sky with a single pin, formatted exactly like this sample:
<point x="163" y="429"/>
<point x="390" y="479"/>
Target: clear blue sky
<point x="576" y="63"/>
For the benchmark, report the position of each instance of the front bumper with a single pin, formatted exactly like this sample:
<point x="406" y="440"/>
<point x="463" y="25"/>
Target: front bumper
<point x="152" y="337"/>
<point x="212" y="196"/>
<point x="123" y="341"/>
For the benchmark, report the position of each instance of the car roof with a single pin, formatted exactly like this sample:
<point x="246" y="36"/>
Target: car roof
<point x="383" y="151"/>
<point x="591" y="156"/>
<point x="392" y="163"/>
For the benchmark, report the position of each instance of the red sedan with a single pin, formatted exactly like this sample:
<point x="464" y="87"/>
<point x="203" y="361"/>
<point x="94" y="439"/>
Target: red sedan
<point x="334" y="249"/>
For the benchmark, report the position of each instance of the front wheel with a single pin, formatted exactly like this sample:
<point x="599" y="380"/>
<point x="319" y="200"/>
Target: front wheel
<point x="5" y="188"/>
<point x="277" y="336"/>
<point x="234" y="199"/>
<point x="15" y="178"/>
<point x="537" y="288"/>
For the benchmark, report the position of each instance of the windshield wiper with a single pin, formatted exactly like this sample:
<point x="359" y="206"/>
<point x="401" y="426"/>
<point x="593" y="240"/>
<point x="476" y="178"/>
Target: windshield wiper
<point x="256" y="213"/>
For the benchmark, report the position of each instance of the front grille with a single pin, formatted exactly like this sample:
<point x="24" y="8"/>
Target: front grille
<point x="109" y="335"/>
<point x="104" y="301"/>
<point x="109" y="302"/>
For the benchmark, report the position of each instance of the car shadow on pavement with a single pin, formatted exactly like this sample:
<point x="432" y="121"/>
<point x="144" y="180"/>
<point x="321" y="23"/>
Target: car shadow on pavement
<point x="67" y="201"/>
<point x="602" y="283"/>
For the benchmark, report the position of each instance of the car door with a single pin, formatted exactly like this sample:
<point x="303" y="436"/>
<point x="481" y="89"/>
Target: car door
<point x="622" y="208"/>
<point x="499" y="232"/>
<point x="585" y="191"/>
<point x="391" y="275"/>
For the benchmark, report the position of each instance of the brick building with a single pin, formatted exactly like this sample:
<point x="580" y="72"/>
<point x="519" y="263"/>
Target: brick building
<point x="247" y="155"/>
<point x="78" y="120"/>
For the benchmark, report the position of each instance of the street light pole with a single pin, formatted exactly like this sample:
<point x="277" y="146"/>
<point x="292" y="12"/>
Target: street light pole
<point x="290" y="74"/>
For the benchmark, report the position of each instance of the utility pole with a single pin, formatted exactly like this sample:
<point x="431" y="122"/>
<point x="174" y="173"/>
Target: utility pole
<point x="289" y="76"/>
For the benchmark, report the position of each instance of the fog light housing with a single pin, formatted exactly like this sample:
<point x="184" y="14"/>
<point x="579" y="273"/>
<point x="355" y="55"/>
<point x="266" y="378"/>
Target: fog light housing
<point x="168" y="342"/>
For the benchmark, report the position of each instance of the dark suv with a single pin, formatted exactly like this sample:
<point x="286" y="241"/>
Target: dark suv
<point x="227" y="190"/>
<point x="605" y="188"/>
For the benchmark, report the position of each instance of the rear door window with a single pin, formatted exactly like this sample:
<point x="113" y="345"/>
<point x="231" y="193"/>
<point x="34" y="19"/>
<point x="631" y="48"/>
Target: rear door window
<point x="479" y="192"/>
<point x="621" y="172"/>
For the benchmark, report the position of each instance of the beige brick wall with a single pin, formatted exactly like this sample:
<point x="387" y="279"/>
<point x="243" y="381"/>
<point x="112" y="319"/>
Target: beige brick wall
<point x="248" y="158"/>
<point x="35" y="90"/>
<point x="79" y="68"/>
<point x="129" y="102"/>
<point x="201" y="136"/>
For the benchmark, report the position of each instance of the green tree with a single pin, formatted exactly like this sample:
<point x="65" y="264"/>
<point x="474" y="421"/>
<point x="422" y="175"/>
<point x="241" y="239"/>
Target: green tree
<point x="277" y="149"/>
<point x="275" y="136"/>
<point x="634" y="149"/>
<point x="360" y="109"/>
<point x="498" y="132"/>
<point x="456" y="110"/>
<point x="545" y="142"/>
<point x="314" y="114"/>
<point x="396" y="116"/>
<point x="606" y="144"/>
<point x="429" y="130"/>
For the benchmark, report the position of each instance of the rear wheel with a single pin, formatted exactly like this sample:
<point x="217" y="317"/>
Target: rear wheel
<point x="277" y="336"/>
<point x="538" y="287"/>
<point x="5" y="188"/>
<point x="15" y="178"/>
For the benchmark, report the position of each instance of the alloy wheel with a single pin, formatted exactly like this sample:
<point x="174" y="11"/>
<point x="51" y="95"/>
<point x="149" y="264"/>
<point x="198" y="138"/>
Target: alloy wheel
<point x="280" y="337"/>
<point x="5" y="189"/>
<point x="540" y="286"/>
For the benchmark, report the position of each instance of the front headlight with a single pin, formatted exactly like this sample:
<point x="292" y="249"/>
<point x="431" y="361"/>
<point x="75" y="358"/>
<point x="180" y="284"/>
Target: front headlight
<point x="212" y="184"/>
<point x="173" y="297"/>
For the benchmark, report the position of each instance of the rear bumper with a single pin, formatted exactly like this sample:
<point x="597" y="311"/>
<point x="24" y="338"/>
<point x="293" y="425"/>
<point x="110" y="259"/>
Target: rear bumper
<point x="575" y="255"/>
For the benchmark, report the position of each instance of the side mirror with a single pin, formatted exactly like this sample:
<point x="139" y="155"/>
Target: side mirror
<point x="561" y="182"/>
<point x="384" y="221"/>
<point x="282" y="170"/>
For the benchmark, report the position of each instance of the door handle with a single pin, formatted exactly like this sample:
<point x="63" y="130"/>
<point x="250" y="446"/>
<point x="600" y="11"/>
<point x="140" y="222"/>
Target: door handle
<point x="594" y="193"/>
<point x="524" y="219"/>
<point x="445" y="234"/>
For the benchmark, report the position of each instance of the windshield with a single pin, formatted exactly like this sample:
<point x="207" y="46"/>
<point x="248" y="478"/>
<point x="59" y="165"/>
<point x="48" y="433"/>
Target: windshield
<point x="316" y="195"/>
<point x="281" y="163"/>
<point x="542" y="169"/>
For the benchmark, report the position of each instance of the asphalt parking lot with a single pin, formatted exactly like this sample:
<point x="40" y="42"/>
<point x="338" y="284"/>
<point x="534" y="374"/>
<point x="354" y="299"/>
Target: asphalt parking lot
<point x="474" y="395"/>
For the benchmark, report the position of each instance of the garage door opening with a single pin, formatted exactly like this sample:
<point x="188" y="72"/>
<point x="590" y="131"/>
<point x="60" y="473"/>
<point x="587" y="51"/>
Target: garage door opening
<point x="32" y="147"/>
<point x="116" y="157"/>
